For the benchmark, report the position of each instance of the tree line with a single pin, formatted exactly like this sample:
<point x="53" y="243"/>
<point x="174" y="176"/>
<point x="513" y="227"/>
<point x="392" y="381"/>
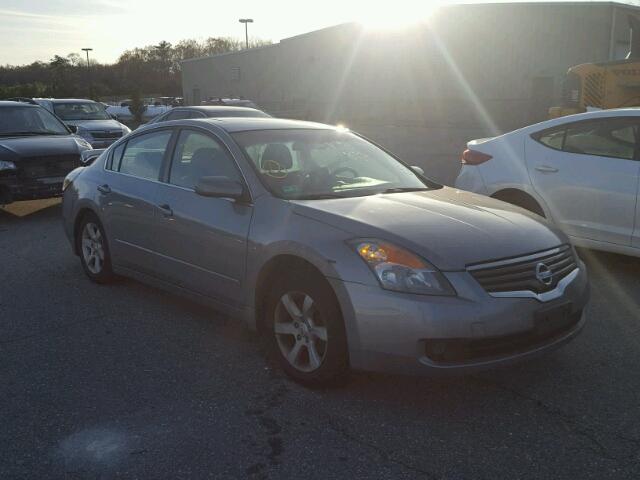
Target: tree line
<point x="153" y="70"/>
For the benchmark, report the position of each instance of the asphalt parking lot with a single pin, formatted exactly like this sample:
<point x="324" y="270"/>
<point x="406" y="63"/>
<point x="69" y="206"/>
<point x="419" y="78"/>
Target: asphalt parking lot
<point x="125" y="381"/>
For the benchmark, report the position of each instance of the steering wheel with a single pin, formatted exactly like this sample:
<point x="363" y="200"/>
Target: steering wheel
<point x="345" y="169"/>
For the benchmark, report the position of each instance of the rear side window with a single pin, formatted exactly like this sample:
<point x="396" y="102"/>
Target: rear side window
<point x="553" y="139"/>
<point x="603" y="139"/>
<point x="143" y="155"/>
<point x="614" y="138"/>
<point x="116" y="156"/>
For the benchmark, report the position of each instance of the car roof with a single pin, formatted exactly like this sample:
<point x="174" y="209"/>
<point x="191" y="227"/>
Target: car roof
<point x="11" y="103"/>
<point x="567" y="119"/>
<point x="243" y="124"/>
<point x="219" y="108"/>
<point x="67" y="100"/>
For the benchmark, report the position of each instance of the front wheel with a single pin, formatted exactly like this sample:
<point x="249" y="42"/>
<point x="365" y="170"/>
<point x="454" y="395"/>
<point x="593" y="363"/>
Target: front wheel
<point x="307" y="330"/>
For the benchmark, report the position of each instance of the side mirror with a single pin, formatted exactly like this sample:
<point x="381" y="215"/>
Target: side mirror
<point x="73" y="128"/>
<point x="417" y="170"/>
<point x="220" y="187"/>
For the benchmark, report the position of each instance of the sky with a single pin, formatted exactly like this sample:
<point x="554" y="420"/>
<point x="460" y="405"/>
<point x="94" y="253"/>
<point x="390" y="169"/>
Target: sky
<point x="39" y="29"/>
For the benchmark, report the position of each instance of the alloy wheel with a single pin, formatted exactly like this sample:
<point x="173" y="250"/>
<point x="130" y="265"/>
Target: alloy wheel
<point x="93" y="248"/>
<point x="300" y="331"/>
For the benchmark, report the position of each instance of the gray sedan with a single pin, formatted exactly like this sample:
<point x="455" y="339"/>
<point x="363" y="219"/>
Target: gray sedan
<point x="340" y="254"/>
<point x="184" y="113"/>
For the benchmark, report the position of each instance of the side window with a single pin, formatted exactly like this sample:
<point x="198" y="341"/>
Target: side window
<point x="553" y="139"/>
<point x="116" y="156"/>
<point x="196" y="114"/>
<point x="199" y="155"/>
<point x="178" y="115"/>
<point x="603" y="138"/>
<point x="143" y="155"/>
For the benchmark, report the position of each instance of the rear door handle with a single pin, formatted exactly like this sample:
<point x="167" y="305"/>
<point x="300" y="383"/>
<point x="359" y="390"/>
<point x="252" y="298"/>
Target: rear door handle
<point x="546" y="169"/>
<point x="166" y="210"/>
<point x="104" y="189"/>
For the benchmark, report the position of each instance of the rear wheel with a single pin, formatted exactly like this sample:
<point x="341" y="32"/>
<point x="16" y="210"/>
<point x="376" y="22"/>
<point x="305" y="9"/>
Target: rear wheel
<point x="93" y="249"/>
<point x="306" y="329"/>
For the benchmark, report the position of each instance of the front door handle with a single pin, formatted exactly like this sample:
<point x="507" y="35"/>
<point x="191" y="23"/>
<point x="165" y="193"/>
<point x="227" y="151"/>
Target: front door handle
<point x="104" y="188"/>
<point x="166" y="210"/>
<point x="546" y="169"/>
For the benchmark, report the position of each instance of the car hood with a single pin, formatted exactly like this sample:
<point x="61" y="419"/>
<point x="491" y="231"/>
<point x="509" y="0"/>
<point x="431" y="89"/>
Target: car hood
<point x="14" y="148"/>
<point x="110" y="124"/>
<point x="448" y="227"/>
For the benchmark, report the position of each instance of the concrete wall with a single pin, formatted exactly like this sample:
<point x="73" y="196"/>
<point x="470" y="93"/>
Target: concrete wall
<point x="470" y="71"/>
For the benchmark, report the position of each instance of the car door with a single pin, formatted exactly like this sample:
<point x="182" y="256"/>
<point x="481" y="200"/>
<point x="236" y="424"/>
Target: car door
<point x="587" y="173"/>
<point x="129" y="198"/>
<point x="202" y="240"/>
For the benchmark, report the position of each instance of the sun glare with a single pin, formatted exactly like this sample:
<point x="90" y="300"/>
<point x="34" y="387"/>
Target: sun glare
<point x="398" y="16"/>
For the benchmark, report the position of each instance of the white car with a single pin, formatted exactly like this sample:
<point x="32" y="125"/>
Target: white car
<point x="581" y="172"/>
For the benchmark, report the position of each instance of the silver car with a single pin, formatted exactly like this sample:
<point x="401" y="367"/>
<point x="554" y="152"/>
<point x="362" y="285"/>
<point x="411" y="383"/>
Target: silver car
<point x="89" y="119"/>
<point x="340" y="254"/>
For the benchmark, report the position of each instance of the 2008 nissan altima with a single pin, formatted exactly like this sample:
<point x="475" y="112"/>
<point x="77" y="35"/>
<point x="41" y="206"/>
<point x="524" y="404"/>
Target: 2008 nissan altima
<point x="342" y="255"/>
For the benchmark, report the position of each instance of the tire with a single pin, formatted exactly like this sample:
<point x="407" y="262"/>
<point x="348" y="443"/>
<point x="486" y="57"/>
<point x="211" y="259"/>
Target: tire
<point x="94" y="250"/>
<point x="302" y="314"/>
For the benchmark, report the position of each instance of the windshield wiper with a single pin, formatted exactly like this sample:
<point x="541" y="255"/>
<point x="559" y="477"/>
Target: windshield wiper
<point x="405" y="189"/>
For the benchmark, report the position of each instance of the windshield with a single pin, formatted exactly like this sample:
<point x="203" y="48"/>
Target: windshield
<point x="27" y="120"/>
<point x="81" y="111"/>
<point x="308" y="164"/>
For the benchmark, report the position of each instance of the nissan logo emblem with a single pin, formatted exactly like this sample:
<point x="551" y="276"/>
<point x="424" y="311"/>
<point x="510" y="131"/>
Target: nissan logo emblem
<point x="544" y="274"/>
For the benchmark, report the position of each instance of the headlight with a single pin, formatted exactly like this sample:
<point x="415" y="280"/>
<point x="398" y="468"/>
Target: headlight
<point x="89" y="156"/>
<point x="5" y="165"/>
<point x="82" y="143"/>
<point x="402" y="271"/>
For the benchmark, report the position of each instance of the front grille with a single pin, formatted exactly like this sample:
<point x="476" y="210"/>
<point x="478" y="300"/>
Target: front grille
<point x="46" y="167"/>
<point x="104" y="135"/>
<point x="522" y="273"/>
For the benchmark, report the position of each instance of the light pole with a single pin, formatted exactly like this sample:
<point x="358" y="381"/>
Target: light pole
<point x="246" y="30"/>
<point x="87" y="50"/>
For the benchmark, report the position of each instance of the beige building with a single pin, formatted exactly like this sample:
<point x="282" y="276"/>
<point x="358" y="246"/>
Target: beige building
<point x="468" y="71"/>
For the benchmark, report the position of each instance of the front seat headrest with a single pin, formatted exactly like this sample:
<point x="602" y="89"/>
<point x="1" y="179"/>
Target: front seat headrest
<point x="276" y="156"/>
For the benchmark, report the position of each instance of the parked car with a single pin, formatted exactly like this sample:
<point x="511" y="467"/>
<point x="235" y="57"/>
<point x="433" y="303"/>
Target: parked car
<point x="580" y="172"/>
<point x="181" y="113"/>
<point x="342" y="255"/>
<point x="123" y="113"/>
<point x="230" y="102"/>
<point x="91" y="119"/>
<point x="37" y="151"/>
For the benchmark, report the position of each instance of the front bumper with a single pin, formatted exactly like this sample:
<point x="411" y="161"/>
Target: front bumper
<point x="13" y="188"/>
<point x="391" y="332"/>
